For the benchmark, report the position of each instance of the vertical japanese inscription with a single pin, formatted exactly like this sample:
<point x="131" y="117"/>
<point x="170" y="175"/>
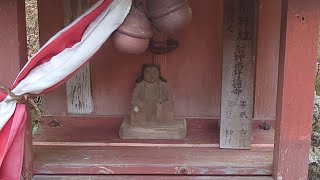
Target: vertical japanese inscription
<point x="238" y="74"/>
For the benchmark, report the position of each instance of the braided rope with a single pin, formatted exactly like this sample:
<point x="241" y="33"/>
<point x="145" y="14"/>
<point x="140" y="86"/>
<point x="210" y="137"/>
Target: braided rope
<point x="23" y="99"/>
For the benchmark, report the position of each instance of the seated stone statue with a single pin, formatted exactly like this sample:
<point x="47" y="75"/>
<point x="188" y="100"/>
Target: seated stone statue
<point x="152" y="103"/>
<point x="151" y="114"/>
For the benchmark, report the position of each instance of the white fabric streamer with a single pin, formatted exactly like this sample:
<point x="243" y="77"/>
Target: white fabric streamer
<point x="69" y="60"/>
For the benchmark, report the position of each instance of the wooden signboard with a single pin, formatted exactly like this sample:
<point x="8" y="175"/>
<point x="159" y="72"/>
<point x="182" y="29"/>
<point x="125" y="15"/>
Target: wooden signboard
<point x="238" y="74"/>
<point x="79" y="97"/>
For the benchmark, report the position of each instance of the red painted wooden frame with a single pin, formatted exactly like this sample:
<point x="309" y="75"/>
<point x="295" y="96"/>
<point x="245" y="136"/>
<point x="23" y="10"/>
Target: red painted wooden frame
<point x="297" y="68"/>
<point x="13" y="53"/>
<point x="295" y="88"/>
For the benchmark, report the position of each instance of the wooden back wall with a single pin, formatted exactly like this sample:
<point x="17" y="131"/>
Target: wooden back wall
<point x="193" y="70"/>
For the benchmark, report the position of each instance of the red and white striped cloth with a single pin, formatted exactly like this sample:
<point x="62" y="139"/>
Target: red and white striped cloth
<point x="54" y="64"/>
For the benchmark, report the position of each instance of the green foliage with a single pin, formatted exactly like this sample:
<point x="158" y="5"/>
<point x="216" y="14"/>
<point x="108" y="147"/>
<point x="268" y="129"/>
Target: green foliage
<point x="314" y="171"/>
<point x="314" y="159"/>
<point x="319" y="48"/>
<point x="33" y="46"/>
<point x="32" y="27"/>
<point x="314" y="164"/>
<point x="36" y="115"/>
<point x="318" y="85"/>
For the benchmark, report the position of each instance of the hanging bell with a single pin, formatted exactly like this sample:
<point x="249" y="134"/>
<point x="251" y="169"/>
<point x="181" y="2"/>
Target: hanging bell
<point x="169" y="16"/>
<point x="134" y="34"/>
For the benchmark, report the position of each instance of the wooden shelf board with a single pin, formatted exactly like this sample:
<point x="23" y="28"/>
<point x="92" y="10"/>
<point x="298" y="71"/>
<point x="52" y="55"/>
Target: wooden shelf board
<point x="151" y="160"/>
<point x="68" y="145"/>
<point x="102" y="131"/>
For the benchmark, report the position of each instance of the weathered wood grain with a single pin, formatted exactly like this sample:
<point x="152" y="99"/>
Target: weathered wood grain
<point x="238" y="74"/>
<point x="151" y="160"/>
<point x="79" y="97"/>
<point x="177" y="129"/>
<point x="116" y="177"/>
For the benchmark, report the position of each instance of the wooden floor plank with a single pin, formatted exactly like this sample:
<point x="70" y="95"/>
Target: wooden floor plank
<point x="46" y="177"/>
<point x="151" y="160"/>
<point x="69" y="145"/>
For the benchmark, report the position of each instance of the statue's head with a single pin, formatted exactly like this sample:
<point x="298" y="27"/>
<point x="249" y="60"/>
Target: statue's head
<point x="150" y="73"/>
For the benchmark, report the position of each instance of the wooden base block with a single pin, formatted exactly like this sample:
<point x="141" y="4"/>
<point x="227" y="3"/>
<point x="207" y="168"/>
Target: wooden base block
<point x="175" y="130"/>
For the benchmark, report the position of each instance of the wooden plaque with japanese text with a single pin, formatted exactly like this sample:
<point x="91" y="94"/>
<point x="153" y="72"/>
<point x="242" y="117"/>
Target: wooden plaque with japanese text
<point x="238" y="74"/>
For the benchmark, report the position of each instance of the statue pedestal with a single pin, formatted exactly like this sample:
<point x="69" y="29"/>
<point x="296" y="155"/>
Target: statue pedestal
<point x="177" y="129"/>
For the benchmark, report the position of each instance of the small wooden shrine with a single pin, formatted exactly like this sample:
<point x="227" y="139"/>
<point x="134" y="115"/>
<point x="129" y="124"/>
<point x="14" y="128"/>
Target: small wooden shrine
<point x="242" y="77"/>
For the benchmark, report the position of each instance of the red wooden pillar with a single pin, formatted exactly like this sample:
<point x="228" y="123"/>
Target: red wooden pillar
<point x="13" y="55"/>
<point x="297" y="68"/>
<point x="13" y="48"/>
<point x="51" y="21"/>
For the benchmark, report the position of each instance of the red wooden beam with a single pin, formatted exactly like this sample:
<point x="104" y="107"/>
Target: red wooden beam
<point x="13" y="53"/>
<point x="297" y="68"/>
<point x="13" y="48"/>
